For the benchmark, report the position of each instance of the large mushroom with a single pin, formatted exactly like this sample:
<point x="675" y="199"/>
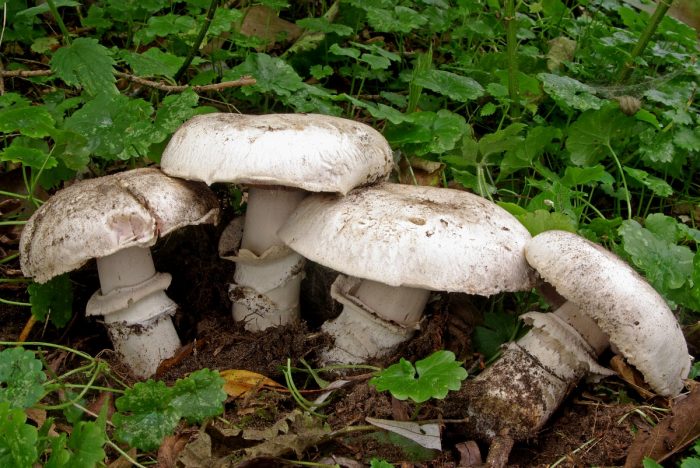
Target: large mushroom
<point x="280" y="157"/>
<point x="398" y="243"/>
<point x="608" y="304"/>
<point x="115" y="219"/>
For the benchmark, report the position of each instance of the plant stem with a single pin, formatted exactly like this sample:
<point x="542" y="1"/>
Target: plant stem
<point x="12" y="223"/>
<point x="512" y="52"/>
<point x="198" y="41"/>
<point x="48" y="345"/>
<point x="59" y="21"/>
<point x="659" y="13"/>
<point x="15" y="303"/>
<point x="9" y="258"/>
<point x="624" y="181"/>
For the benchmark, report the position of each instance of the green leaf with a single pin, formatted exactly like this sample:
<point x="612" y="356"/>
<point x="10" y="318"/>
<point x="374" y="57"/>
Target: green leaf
<point x="457" y="87"/>
<point x="85" y="63"/>
<point x="650" y="463"/>
<point x="272" y="74"/>
<point x="199" y="396"/>
<point x="17" y="439"/>
<point x="658" y="186"/>
<point x="377" y="463"/>
<point x="72" y="149"/>
<point x="569" y="93"/>
<point x="324" y="26"/>
<point x="31" y="121"/>
<point x="20" y="151"/>
<point x="21" y="378"/>
<point x="498" y="328"/>
<point x="594" y="132"/>
<point x="165" y="25"/>
<point x="401" y="19"/>
<point x="145" y="415"/>
<point x="427" y="132"/>
<point x="44" y="8"/>
<point x="534" y="145"/>
<point x="87" y="441"/>
<point x="351" y="52"/>
<point x="53" y="300"/>
<point x="541" y="220"/>
<point x="153" y="62"/>
<point x="432" y="377"/>
<point x="574" y="176"/>
<point x="60" y="456"/>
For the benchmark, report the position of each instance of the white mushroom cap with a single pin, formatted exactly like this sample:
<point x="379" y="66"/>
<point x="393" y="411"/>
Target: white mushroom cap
<point x="636" y="318"/>
<point x="313" y="152"/>
<point x="98" y="217"/>
<point x="422" y="237"/>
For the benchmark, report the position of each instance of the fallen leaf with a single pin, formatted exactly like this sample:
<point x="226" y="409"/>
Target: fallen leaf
<point x="170" y="450"/>
<point x="239" y="382"/>
<point x="122" y="462"/>
<point x="469" y="454"/>
<point x="631" y="376"/>
<point x="425" y="435"/>
<point x="670" y="435"/>
<point x="196" y="454"/>
<point x="296" y="432"/>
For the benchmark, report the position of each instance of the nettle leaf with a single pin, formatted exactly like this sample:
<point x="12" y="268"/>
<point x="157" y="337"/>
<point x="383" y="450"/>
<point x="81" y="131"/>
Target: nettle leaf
<point x="31" y="121"/>
<point x="21" y="378"/>
<point x="498" y="328"/>
<point x="87" y="64"/>
<point x="53" y="300"/>
<point x="153" y="62"/>
<point x="200" y="395"/>
<point x="401" y="19"/>
<point x="271" y="73"/>
<point x="115" y="126"/>
<point x="17" y="439"/>
<point x="457" y="87"/>
<point x="593" y="133"/>
<point x="145" y="415"/>
<point x="570" y="93"/>
<point x="432" y="377"/>
<point x="658" y="186"/>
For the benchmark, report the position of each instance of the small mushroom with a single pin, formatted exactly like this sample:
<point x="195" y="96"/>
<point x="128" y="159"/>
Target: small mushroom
<point x="398" y="243"/>
<point x="281" y="157"/>
<point x="115" y="219"/>
<point x="608" y="304"/>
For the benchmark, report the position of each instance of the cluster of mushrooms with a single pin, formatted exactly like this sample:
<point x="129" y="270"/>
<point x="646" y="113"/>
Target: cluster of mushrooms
<point x="317" y="190"/>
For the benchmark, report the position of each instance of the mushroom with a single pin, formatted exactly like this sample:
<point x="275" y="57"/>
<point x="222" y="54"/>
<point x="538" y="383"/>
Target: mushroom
<point x="281" y="157"/>
<point x="608" y="303"/>
<point x="398" y="243"/>
<point x="115" y="219"/>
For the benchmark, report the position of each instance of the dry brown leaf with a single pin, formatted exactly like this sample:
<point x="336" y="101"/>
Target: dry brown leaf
<point x="631" y="376"/>
<point x="241" y="382"/>
<point x="122" y="462"/>
<point x="672" y="434"/>
<point x="170" y="449"/>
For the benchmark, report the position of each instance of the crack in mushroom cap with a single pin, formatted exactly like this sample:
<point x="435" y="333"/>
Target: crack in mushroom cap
<point x="635" y="317"/>
<point x="312" y="152"/>
<point x="98" y="217"/>
<point x="422" y="237"/>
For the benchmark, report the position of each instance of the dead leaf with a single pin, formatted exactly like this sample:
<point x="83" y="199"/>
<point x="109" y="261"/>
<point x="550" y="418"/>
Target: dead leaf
<point x="671" y="435"/>
<point x="425" y="435"/>
<point x="263" y="22"/>
<point x="295" y="433"/>
<point x="38" y="417"/>
<point x="197" y="454"/>
<point x="469" y="454"/>
<point x="631" y="376"/>
<point x="239" y="382"/>
<point x="122" y="462"/>
<point x="170" y="450"/>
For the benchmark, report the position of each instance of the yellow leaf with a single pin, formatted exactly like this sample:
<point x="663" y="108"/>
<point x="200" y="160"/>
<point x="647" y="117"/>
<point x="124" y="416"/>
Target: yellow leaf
<point x="240" y="382"/>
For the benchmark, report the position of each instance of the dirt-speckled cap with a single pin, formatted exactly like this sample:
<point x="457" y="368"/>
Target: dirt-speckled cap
<point x="318" y="153"/>
<point x="98" y="217"/>
<point x="422" y="237"/>
<point x="635" y="317"/>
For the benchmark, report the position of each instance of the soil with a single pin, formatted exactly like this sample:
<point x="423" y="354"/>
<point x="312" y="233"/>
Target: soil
<point x="595" y="425"/>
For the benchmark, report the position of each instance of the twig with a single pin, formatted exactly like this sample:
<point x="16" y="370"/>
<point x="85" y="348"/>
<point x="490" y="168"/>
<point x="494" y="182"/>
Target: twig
<point x="198" y="41"/>
<point x="242" y="81"/>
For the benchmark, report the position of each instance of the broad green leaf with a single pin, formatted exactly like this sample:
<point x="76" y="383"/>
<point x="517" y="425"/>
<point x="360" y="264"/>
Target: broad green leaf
<point x="17" y="439"/>
<point x="324" y="26"/>
<point x="667" y="266"/>
<point x="165" y="25"/>
<point x="224" y="19"/>
<point x="569" y="93"/>
<point x="498" y="328"/>
<point x="87" y="64"/>
<point x="153" y="62"/>
<point x="594" y="132"/>
<point x="665" y="227"/>
<point x="650" y="463"/>
<point x="687" y="138"/>
<point x="432" y="377"/>
<point x="541" y="220"/>
<point x="401" y="19"/>
<point x="44" y="8"/>
<point x="574" y="176"/>
<point x="457" y="87"/>
<point x="201" y="395"/>
<point x="86" y="442"/>
<point x="174" y="110"/>
<point x="36" y="158"/>
<point x="377" y="463"/>
<point x="657" y="148"/>
<point x="320" y="71"/>
<point x="375" y="62"/>
<point x="351" y="52"/>
<point x="145" y="415"/>
<point x="21" y="378"/>
<point x="534" y="145"/>
<point x="60" y="456"/>
<point x="375" y="49"/>
<point x="52" y="300"/>
<point x="272" y="74"/>
<point x="71" y="149"/>
<point x="31" y="121"/>
<point x="658" y="186"/>
<point x="427" y="132"/>
<point x="500" y="141"/>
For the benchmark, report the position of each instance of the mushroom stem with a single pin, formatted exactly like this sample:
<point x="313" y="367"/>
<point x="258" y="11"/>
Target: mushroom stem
<point x="375" y="318"/>
<point x="526" y="385"/>
<point x="266" y="289"/>
<point x="136" y="309"/>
